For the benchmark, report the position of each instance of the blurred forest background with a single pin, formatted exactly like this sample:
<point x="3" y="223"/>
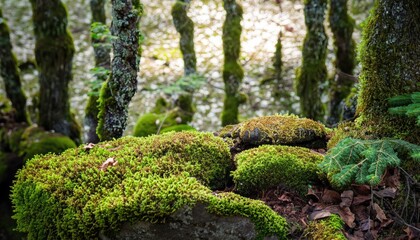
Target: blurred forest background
<point x="162" y="64"/>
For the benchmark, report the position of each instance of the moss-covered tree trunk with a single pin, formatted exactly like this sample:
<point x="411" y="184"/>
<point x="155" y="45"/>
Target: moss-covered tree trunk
<point x="185" y="27"/>
<point x="313" y="70"/>
<point x="390" y="58"/>
<point x="102" y="50"/>
<point x="232" y="71"/>
<point x="342" y="26"/>
<point x="121" y="86"/>
<point x="54" y="51"/>
<point x="9" y="71"/>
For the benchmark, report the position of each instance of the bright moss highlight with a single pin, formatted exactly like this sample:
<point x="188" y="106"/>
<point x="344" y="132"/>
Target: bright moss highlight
<point x="268" y="166"/>
<point x="329" y="228"/>
<point x="178" y="128"/>
<point x="72" y="198"/>
<point x="152" y="123"/>
<point x="389" y="55"/>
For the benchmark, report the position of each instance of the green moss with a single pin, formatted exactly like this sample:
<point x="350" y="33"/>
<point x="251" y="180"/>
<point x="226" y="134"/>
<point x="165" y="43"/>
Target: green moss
<point x="389" y="56"/>
<point x="35" y="140"/>
<point x="178" y="128"/>
<point x="313" y="70"/>
<point x="280" y="129"/>
<point x="152" y="123"/>
<point x="72" y="198"/>
<point x="329" y="228"/>
<point x="268" y="166"/>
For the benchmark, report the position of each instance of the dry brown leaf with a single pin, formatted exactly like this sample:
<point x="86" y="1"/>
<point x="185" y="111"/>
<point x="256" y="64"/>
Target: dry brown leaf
<point x="361" y="199"/>
<point x="389" y="192"/>
<point x="346" y="198"/>
<point x="412" y="233"/>
<point x="361" y="189"/>
<point x="345" y="213"/>
<point x="319" y="215"/>
<point x="109" y="162"/>
<point x="380" y="214"/>
<point x="330" y="196"/>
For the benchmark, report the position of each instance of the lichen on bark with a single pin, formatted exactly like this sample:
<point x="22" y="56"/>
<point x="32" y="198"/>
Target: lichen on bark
<point x="121" y="86"/>
<point x="9" y="71"/>
<point x="102" y="49"/>
<point x="54" y="50"/>
<point x="313" y="70"/>
<point x="342" y="26"/>
<point x="389" y="55"/>
<point x="232" y="70"/>
<point x="185" y="27"/>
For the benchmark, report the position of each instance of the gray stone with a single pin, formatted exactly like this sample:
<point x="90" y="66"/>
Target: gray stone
<point x="188" y="223"/>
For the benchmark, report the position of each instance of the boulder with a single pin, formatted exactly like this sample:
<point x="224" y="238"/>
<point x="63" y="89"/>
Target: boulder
<point x="276" y="130"/>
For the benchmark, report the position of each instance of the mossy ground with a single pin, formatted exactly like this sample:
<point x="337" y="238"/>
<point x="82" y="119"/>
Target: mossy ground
<point x="72" y="197"/>
<point x="268" y="166"/>
<point x="329" y="228"/>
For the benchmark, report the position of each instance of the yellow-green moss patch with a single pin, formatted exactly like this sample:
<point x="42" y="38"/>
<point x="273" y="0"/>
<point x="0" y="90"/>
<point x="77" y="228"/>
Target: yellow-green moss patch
<point x="267" y="166"/>
<point x="76" y="195"/>
<point x="329" y="228"/>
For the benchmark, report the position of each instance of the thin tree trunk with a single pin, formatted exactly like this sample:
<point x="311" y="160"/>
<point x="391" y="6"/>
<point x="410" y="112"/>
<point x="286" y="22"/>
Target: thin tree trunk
<point x="313" y="70"/>
<point x="232" y="70"/>
<point x="9" y="71"/>
<point x="102" y="50"/>
<point x="185" y="27"/>
<point x="342" y="26"/>
<point x="121" y="86"/>
<point x="54" y="51"/>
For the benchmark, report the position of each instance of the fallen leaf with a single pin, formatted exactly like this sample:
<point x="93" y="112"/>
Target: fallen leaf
<point x="412" y="233"/>
<point x="380" y="214"/>
<point x="285" y="197"/>
<point x="389" y="192"/>
<point x="361" y="199"/>
<point x="330" y="196"/>
<point x="109" y="162"/>
<point x="346" y="198"/>
<point x="319" y="215"/>
<point x="361" y="189"/>
<point x="345" y="213"/>
<point x="88" y="146"/>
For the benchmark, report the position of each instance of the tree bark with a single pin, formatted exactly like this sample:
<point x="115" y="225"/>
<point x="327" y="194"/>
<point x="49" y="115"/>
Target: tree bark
<point x="121" y="86"/>
<point x="185" y="27"/>
<point x="232" y="70"/>
<point x="54" y="51"/>
<point x="390" y="56"/>
<point x="342" y="26"/>
<point x="313" y="70"/>
<point x="9" y="71"/>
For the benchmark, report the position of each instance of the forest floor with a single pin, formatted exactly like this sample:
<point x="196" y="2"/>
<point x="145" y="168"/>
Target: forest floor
<point x="162" y="64"/>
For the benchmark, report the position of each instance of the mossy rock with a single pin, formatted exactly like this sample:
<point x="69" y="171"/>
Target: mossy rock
<point x="262" y="168"/>
<point x="327" y="228"/>
<point x="35" y="140"/>
<point x="75" y="195"/>
<point x="149" y="124"/>
<point x="276" y="130"/>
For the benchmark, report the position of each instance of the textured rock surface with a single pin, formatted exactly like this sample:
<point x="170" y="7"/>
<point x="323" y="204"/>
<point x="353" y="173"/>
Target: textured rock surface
<point x="188" y="223"/>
